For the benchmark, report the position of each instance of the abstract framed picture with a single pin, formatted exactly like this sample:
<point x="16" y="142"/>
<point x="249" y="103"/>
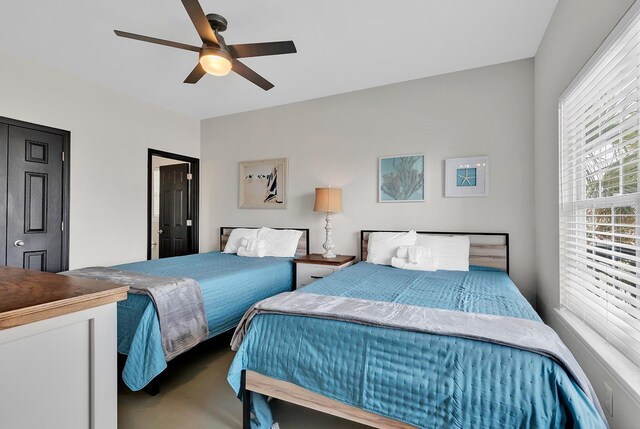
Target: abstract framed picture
<point x="263" y="184"/>
<point x="467" y="177"/>
<point x="401" y="179"/>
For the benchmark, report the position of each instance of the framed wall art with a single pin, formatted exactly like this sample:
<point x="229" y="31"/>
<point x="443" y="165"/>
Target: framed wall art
<point x="467" y="177"/>
<point x="263" y="184"/>
<point x="402" y="178"/>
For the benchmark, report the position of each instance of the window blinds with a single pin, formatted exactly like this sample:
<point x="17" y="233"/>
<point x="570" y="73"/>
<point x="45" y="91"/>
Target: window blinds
<point x="599" y="191"/>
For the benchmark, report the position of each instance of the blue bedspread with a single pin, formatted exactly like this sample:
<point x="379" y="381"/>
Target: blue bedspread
<point x="230" y="285"/>
<point x="426" y="380"/>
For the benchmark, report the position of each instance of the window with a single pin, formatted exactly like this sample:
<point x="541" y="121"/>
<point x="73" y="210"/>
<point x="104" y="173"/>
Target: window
<point x="599" y="191"/>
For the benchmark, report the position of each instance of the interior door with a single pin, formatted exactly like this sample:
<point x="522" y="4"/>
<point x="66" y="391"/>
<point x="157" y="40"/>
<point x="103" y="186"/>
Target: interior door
<point x="34" y="199"/>
<point x="174" y="210"/>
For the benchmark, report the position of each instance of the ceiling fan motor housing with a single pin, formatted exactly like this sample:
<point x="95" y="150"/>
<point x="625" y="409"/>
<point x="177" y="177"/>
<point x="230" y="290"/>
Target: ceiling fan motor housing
<point x="217" y="22"/>
<point x="213" y="50"/>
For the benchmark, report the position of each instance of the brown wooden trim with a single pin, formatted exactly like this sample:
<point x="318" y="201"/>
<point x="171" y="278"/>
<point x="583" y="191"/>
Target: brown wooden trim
<point x="317" y="259"/>
<point x="290" y="392"/>
<point x="35" y="314"/>
<point x="29" y="296"/>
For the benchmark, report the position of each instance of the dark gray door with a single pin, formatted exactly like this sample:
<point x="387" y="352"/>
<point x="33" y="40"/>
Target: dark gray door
<point x="174" y="210"/>
<point x="34" y="199"/>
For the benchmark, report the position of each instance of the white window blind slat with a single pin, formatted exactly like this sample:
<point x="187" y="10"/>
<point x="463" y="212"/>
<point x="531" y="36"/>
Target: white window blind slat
<point x="588" y="245"/>
<point x="589" y="260"/>
<point x="614" y="100"/>
<point x="624" y="300"/>
<point x="600" y="74"/>
<point x="599" y="187"/>
<point x="607" y="139"/>
<point x="615" y="286"/>
<point x="608" y="175"/>
<point x="620" y="125"/>
<point x="592" y="313"/>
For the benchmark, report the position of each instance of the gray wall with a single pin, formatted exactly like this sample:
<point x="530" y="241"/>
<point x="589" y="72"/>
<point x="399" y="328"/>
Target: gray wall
<point x="575" y="32"/>
<point x="337" y="140"/>
<point x="110" y="135"/>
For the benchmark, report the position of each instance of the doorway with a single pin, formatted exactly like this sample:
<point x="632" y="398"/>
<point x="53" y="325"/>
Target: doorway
<point x="173" y="205"/>
<point x="34" y="196"/>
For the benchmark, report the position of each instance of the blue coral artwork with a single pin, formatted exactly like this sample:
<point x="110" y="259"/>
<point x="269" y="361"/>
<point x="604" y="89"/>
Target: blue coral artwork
<point x="466" y="177"/>
<point x="401" y="178"/>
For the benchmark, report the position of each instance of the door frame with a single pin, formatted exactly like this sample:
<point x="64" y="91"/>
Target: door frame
<point x="66" y="179"/>
<point x="194" y="198"/>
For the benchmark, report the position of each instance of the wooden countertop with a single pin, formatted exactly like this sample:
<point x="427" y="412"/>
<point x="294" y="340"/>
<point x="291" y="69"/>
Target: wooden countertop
<point x="316" y="258"/>
<point x="28" y="296"/>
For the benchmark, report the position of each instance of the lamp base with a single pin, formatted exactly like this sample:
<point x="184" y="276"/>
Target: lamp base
<point x="328" y="254"/>
<point x="328" y="243"/>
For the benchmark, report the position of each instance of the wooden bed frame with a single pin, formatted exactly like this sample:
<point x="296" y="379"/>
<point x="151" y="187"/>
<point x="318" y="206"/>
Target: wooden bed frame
<point x="486" y="250"/>
<point x="303" y="243"/>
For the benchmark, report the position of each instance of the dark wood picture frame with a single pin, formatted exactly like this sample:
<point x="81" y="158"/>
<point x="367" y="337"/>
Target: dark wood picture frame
<point x="66" y="180"/>
<point x="194" y="198"/>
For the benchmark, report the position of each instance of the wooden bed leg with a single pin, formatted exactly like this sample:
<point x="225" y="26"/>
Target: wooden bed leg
<point x="246" y="401"/>
<point x="153" y="388"/>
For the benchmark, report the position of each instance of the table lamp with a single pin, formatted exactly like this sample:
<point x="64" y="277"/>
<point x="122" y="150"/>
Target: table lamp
<point x="328" y="200"/>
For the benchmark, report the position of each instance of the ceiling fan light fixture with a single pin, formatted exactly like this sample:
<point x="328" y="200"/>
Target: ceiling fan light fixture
<point x="215" y="56"/>
<point x="215" y="61"/>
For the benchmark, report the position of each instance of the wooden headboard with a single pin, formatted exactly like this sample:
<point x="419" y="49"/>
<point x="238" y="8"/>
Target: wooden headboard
<point x="303" y="243"/>
<point x="487" y="249"/>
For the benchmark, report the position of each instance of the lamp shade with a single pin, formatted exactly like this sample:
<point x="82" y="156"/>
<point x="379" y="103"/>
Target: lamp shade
<point x="328" y="200"/>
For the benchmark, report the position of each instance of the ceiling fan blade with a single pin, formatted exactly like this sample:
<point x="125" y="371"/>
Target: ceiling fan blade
<point x="250" y="75"/>
<point x="200" y="21"/>
<point x="156" y="41"/>
<point x="196" y="74"/>
<point x="262" y="49"/>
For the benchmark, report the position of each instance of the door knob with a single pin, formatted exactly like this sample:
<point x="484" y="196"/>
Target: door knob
<point x="160" y="231"/>
<point x="18" y="243"/>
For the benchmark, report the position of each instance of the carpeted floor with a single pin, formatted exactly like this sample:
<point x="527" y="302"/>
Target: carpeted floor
<point x="194" y="394"/>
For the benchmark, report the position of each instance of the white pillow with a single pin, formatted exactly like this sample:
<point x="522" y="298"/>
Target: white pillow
<point x="280" y="242"/>
<point x="384" y="245"/>
<point x="236" y="236"/>
<point x="452" y="252"/>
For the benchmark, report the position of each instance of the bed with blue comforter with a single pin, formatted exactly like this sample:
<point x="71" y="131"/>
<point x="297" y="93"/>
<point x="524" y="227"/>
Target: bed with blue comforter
<point x="425" y="380"/>
<point x="230" y="284"/>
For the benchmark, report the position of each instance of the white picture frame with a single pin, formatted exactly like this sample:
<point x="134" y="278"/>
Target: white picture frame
<point x="263" y="184"/>
<point x="393" y="186"/>
<point x="467" y="177"/>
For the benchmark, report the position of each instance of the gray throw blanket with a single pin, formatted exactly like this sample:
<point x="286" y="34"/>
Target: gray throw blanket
<point x="523" y="334"/>
<point x="178" y="302"/>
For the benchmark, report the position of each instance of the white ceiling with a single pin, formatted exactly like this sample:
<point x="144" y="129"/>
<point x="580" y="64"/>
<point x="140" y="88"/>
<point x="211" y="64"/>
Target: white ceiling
<point x="342" y="45"/>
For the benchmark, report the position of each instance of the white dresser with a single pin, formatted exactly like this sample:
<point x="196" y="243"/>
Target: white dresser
<point x="58" y="358"/>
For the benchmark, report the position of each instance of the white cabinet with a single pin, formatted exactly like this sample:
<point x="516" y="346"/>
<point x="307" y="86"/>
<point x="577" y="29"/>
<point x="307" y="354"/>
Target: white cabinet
<point x="312" y="267"/>
<point x="60" y="373"/>
<point x="58" y="356"/>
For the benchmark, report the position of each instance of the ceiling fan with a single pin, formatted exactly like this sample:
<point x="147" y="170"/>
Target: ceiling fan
<point x="216" y="57"/>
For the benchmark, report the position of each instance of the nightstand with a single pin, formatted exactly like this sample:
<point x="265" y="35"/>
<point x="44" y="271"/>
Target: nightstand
<point x="313" y="267"/>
